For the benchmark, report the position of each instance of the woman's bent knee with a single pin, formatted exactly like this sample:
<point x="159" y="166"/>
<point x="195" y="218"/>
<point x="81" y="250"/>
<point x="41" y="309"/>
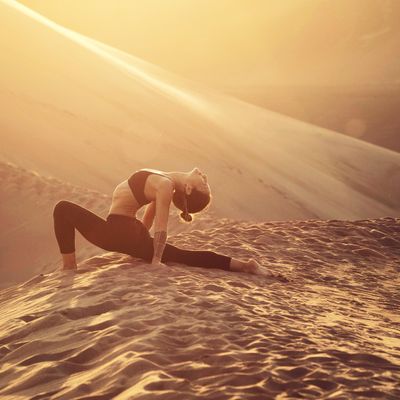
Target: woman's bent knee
<point x="60" y="206"/>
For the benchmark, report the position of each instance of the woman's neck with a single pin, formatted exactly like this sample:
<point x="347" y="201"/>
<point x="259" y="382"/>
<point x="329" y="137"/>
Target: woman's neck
<point x="178" y="178"/>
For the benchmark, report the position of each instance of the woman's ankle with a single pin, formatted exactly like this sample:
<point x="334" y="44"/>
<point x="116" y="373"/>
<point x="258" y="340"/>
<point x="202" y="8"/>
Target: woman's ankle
<point x="72" y="267"/>
<point x="236" y="265"/>
<point x="69" y="260"/>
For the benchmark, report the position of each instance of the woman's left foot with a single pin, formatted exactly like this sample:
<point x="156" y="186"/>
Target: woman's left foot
<point x="251" y="266"/>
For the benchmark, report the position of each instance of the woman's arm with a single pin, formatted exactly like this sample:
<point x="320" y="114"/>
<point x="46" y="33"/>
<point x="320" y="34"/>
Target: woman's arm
<point x="148" y="216"/>
<point x="163" y="201"/>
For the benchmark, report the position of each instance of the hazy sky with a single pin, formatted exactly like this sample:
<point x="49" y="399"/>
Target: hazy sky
<point x="246" y="41"/>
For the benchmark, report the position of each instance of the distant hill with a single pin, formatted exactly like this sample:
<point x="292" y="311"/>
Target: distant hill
<point x="367" y="112"/>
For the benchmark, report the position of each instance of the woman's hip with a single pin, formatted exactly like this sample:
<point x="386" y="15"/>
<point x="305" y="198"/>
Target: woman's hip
<point x="127" y="234"/>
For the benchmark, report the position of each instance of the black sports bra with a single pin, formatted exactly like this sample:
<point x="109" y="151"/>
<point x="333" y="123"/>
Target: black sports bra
<point x="137" y="181"/>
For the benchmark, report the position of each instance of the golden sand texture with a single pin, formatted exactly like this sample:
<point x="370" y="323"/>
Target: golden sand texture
<point x="122" y="329"/>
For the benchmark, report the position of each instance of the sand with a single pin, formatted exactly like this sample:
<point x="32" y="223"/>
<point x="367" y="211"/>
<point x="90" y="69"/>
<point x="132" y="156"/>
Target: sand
<point x="324" y="324"/>
<point x="317" y="209"/>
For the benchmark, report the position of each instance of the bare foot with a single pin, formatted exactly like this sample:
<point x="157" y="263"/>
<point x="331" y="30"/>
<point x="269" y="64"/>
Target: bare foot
<point x="252" y="267"/>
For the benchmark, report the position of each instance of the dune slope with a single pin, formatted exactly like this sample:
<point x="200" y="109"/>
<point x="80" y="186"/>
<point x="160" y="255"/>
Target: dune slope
<point x="122" y="329"/>
<point x="89" y="114"/>
<point x="28" y="244"/>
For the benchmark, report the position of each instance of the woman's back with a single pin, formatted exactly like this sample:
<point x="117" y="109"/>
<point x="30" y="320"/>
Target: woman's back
<point x="137" y="183"/>
<point x="131" y="194"/>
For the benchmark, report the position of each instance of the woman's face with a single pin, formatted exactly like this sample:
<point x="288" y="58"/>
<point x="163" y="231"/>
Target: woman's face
<point x="198" y="180"/>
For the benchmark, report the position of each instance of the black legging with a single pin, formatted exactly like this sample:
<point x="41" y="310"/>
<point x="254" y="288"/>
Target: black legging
<point x="122" y="234"/>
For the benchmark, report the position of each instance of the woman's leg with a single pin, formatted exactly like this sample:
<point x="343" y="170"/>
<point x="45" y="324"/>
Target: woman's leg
<point x="118" y="233"/>
<point x="68" y="216"/>
<point x="125" y="235"/>
<point x="208" y="259"/>
<point x="196" y="258"/>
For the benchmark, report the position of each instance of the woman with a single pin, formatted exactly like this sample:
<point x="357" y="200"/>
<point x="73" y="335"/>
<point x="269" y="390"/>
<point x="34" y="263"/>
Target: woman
<point x="122" y="232"/>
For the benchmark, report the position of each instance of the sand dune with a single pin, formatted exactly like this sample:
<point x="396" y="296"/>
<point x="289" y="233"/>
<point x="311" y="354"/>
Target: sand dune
<point x="90" y="114"/>
<point x="322" y="321"/>
<point x="122" y="329"/>
<point x="367" y="112"/>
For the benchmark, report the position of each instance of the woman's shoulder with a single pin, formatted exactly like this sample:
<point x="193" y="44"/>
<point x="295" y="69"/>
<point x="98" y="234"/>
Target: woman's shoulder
<point x="151" y="171"/>
<point x="157" y="172"/>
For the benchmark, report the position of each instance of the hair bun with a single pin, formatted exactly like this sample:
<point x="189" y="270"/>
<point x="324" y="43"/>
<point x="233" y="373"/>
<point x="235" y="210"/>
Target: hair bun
<point x="186" y="216"/>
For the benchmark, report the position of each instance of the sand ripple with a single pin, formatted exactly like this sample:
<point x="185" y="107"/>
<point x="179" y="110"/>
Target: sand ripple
<point x="123" y="329"/>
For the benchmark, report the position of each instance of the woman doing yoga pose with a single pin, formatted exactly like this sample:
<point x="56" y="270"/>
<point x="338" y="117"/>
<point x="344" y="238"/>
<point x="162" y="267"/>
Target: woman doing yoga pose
<point x="122" y="232"/>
